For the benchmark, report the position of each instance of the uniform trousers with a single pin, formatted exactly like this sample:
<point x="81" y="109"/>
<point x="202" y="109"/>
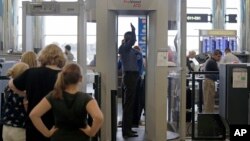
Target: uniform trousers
<point x="129" y="82"/>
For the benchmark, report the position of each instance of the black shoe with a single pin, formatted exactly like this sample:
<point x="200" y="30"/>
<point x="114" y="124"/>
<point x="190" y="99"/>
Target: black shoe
<point x="129" y="135"/>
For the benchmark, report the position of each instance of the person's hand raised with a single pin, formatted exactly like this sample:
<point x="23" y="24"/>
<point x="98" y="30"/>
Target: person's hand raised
<point x="132" y="26"/>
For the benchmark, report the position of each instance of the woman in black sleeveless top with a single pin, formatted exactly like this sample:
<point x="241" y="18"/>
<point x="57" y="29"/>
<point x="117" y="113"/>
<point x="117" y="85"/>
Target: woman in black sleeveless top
<point x="37" y="82"/>
<point x="70" y="108"/>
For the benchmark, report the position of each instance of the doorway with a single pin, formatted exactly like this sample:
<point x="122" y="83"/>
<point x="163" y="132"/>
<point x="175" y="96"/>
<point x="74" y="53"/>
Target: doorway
<point x="140" y="23"/>
<point x="156" y="89"/>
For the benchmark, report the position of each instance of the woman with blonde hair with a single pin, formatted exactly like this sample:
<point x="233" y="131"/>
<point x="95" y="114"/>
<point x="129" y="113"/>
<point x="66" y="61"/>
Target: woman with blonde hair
<point x="13" y="112"/>
<point x="29" y="58"/>
<point x="38" y="82"/>
<point x="70" y="107"/>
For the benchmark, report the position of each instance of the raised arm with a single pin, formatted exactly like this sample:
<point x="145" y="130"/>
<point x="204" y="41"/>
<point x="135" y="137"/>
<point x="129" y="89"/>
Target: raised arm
<point x="129" y="40"/>
<point x="132" y="40"/>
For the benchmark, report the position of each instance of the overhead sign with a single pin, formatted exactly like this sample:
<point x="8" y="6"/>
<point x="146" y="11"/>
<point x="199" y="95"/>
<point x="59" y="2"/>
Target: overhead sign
<point x="231" y="18"/>
<point x="52" y="8"/>
<point x="199" y="18"/>
<point x="132" y="4"/>
<point x="135" y="3"/>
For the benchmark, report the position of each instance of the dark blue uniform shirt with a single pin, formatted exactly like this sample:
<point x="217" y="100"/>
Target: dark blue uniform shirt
<point x="128" y="54"/>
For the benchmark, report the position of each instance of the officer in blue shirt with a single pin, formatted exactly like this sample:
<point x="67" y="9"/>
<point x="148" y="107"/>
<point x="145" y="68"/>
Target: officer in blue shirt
<point x="130" y="76"/>
<point x="139" y="97"/>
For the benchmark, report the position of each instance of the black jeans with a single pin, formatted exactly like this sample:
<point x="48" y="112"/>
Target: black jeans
<point x="129" y="82"/>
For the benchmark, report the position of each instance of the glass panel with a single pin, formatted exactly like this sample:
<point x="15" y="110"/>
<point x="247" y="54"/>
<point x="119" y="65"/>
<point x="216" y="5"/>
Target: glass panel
<point x="190" y="43"/>
<point x="20" y="41"/>
<point x="20" y="28"/>
<point x="232" y="9"/>
<point x="230" y="25"/>
<point x="199" y="10"/>
<point x="193" y="28"/>
<point x="60" y="25"/>
<point x="232" y="3"/>
<point x="19" y="24"/>
<point x="62" y="41"/>
<point x="198" y="3"/>
<point x="91" y="44"/>
<point x="91" y="50"/>
<point x="91" y="28"/>
<point x="61" y="30"/>
<point x="124" y="26"/>
<point x="173" y="99"/>
<point x="68" y="36"/>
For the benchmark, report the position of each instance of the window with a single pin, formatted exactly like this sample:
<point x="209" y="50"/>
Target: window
<point x="232" y="8"/>
<point x="197" y="7"/>
<point x="61" y="30"/>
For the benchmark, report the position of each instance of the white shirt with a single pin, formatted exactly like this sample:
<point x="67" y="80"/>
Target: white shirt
<point x="230" y="58"/>
<point x="70" y="56"/>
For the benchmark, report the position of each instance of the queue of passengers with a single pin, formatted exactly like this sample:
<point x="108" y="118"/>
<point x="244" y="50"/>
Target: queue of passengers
<point x="44" y="102"/>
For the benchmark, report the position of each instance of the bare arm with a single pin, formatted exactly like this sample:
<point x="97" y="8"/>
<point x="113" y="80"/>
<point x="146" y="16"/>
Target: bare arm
<point x="35" y="115"/>
<point x="97" y="116"/>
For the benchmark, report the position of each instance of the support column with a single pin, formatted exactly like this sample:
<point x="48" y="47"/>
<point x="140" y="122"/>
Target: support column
<point x="156" y="79"/>
<point x="10" y="25"/>
<point x="1" y="26"/>
<point x="82" y="41"/>
<point x="245" y="25"/>
<point x="38" y="28"/>
<point x="218" y="11"/>
<point x="242" y="21"/>
<point x="106" y="60"/>
<point x="181" y="27"/>
<point x="27" y="27"/>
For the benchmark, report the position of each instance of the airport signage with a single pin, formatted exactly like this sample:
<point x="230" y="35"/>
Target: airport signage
<point x="144" y="5"/>
<point x="142" y="34"/>
<point x="135" y="3"/>
<point x="231" y="18"/>
<point x="204" y="18"/>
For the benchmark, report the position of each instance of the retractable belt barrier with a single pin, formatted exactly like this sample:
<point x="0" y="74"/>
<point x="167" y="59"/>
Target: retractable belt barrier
<point x="210" y="126"/>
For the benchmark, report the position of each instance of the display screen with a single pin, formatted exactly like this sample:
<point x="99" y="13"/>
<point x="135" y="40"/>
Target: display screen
<point x="210" y="44"/>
